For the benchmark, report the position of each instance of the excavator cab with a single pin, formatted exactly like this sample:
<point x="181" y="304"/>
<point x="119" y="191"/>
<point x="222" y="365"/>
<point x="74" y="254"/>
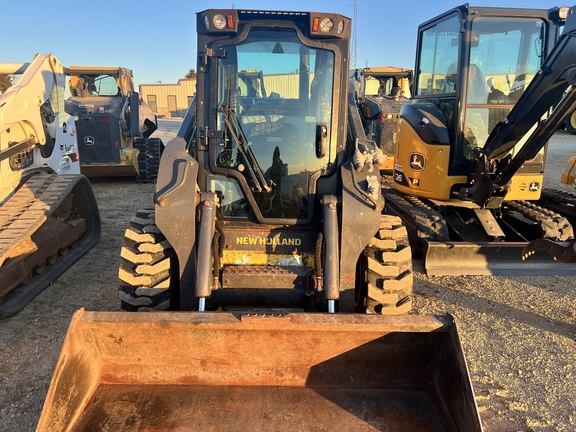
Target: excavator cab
<point x="469" y="164"/>
<point x="473" y="64"/>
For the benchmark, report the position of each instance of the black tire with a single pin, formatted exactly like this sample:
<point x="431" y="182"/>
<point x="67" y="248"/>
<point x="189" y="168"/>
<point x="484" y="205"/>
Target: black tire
<point x="386" y="270"/>
<point x="145" y="266"/>
<point x="148" y="159"/>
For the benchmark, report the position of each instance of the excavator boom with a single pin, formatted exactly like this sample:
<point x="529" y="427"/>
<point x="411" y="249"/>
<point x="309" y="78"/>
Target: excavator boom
<point x="553" y="86"/>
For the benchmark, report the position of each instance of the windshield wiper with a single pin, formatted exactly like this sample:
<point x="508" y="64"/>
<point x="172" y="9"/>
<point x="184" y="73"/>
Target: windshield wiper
<point x="252" y="165"/>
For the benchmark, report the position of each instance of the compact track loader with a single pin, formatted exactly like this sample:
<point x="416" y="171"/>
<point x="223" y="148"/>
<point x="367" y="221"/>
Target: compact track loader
<point x="114" y="124"/>
<point x="383" y="90"/>
<point x="276" y="291"/>
<point x="48" y="213"/>
<point x="492" y="85"/>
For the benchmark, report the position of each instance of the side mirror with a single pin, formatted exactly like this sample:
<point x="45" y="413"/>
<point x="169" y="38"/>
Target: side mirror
<point x="321" y="140"/>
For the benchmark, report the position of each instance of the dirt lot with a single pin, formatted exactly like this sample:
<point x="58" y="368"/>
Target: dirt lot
<point x="519" y="333"/>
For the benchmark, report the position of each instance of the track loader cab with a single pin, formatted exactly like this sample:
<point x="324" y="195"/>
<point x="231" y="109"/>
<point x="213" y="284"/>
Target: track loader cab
<point x="471" y="152"/>
<point x="114" y="124"/>
<point x="381" y="93"/>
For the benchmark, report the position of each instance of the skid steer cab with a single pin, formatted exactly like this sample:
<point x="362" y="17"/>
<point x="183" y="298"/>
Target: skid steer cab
<point x="267" y="198"/>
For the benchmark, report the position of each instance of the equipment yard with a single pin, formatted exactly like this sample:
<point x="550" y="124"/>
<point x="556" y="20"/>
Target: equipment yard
<point x="518" y="333"/>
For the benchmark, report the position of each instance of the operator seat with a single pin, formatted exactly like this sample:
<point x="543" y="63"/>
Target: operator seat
<point x="477" y="87"/>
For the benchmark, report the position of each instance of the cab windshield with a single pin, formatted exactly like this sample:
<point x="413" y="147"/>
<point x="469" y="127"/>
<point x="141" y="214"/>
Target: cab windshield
<point x="274" y="95"/>
<point x="94" y="85"/>
<point x="505" y="55"/>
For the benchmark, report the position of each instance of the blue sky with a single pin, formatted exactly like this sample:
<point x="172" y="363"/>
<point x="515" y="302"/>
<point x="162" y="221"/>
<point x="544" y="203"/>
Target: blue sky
<point x="157" y="39"/>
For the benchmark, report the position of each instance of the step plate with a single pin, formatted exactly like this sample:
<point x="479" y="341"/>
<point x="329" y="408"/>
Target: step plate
<point x="292" y="277"/>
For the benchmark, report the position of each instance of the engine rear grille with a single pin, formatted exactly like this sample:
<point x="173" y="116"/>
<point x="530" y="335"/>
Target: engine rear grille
<point x="95" y="142"/>
<point x="386" y="135"/>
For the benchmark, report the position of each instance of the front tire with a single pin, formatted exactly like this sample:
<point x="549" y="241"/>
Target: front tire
<point x="145" y="266"/>
<point x="386" y="270"/>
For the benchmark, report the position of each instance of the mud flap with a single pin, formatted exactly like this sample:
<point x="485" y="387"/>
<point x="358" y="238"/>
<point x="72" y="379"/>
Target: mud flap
<point x="233" y="371"/>
<point x="489" y="258"/>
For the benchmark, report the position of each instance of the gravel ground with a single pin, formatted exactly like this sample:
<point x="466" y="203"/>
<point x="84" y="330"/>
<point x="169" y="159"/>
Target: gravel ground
<point x="518" y="333"/>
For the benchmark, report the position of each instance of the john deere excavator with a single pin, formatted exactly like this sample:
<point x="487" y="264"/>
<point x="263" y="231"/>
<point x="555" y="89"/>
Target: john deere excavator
<point x="48" y="213"/>
<point x="471" y="149"/>
<point x="288" y="287"/>
<point x="114" y="124"/>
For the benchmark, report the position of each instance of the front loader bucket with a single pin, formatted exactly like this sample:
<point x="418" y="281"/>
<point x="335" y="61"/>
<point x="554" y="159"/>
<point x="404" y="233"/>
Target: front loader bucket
<point x="233" y="372"/>
<point x="489" y="258"/>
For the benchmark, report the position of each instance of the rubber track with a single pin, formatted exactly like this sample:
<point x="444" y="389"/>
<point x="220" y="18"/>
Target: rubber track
<point x="145" y="265"/>
<point x="389" y="269"/>
<point x="24" y="214"/>
<point x="148" y="159"/>
<point x="553" y="225"/>
<point x="559" y="196"/>
<point x="28" y="209"/>
<point x="431" y="224"/>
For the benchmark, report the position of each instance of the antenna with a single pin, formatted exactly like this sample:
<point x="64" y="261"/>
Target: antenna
<point x="354" y="28"/>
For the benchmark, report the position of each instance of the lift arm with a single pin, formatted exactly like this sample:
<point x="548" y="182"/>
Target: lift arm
<point x="33" y="101"/>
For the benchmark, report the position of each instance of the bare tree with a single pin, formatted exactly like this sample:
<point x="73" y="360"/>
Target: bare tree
<point x="5" y="82"/>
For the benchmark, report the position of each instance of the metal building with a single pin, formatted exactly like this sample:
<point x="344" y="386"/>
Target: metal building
<point x="169" y="100"/>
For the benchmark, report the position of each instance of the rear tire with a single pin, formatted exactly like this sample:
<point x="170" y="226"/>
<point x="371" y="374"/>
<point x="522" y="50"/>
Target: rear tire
<point x="386" y="269"/>
<point x="145" y="266"/>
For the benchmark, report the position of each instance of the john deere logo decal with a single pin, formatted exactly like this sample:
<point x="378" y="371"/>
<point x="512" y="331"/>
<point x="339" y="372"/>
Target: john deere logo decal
<point x="417" y="161"/>
<point x="89" y="140"/>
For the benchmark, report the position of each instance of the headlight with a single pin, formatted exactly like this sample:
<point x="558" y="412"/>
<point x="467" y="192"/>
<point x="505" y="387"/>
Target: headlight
<point x="207" y="22"/>
<point x="219" y="21"/>
<point x="340" y="28"/>
<point x="326" y="25"/>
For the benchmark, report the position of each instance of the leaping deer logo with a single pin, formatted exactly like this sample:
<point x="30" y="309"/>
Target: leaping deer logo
<point x="417" y="162"/>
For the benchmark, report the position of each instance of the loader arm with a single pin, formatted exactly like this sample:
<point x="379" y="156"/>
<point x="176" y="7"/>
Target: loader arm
<point x="554" y="82"/>
<point x="42" y="80"/>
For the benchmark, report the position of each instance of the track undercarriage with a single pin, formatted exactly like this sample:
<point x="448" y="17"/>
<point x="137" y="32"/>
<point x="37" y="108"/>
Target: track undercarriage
<point x="460" y="239"/>
<point x="45" y="226"/>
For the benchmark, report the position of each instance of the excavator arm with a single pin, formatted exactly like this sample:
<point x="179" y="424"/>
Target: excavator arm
<point x="553" y="86"/>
